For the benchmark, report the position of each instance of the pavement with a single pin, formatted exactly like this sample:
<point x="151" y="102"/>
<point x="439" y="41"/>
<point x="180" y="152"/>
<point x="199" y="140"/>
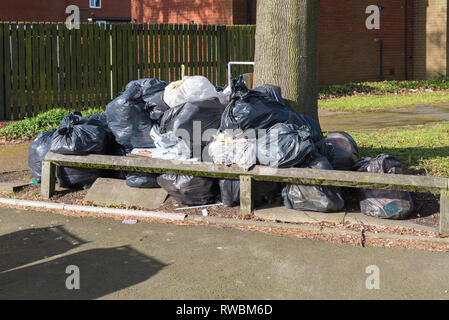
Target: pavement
<point x="167" y="261"/>
<point x="14" y="157"/>
<point x="400" y="116"/>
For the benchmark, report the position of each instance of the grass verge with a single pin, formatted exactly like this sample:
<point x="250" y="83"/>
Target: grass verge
<point x="382" y="87"/>
<point x="423" y="147"/>
<point x="28" y="128"/>
<point x="382" y="102"/>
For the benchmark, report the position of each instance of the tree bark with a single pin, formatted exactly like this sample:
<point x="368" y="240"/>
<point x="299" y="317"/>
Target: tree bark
<point x="287" y="51"/>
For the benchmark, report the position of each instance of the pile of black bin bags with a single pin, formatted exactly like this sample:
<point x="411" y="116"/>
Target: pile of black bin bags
<point x="284" y="139"/>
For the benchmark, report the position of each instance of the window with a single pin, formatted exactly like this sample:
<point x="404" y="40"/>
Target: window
<point x="101" y="22"/>
<point x="95" y="3"/>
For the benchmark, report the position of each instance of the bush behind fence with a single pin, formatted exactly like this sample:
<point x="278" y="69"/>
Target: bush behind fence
<point x="46" y="65"/>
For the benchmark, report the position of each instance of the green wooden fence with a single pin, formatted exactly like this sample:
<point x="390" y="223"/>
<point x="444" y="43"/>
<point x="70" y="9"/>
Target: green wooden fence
<point x="46" y="65"/>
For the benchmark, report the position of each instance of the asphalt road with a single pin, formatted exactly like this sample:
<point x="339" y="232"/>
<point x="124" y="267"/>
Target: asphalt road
<point x="165" y="261"/>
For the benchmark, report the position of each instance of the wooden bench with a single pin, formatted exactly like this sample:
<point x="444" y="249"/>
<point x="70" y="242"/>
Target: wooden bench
<point x="435" y="185"/>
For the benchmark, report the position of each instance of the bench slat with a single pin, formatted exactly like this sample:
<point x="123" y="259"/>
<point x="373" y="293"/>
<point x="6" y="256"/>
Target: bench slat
<point x="258" y="173"/>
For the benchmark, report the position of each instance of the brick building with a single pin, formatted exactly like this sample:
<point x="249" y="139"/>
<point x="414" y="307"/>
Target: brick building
<point x="225" y="12"/>
<point x="410" y="44"/>
<point x="54" y="10"/>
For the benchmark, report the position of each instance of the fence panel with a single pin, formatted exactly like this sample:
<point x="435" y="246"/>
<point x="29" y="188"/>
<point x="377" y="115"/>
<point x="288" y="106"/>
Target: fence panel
<point x="46" y="65"/>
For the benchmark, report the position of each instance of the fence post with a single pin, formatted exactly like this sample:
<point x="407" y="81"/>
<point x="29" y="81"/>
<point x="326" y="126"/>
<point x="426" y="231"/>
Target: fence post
<point x="444" y="211"/>
<point x="2" y="75"/>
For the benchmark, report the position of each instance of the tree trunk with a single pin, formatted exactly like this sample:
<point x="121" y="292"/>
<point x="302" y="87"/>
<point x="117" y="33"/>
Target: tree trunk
<point x="287" y="51"/>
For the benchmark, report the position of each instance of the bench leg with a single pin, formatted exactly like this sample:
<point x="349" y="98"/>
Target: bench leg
<point x="246" y="195"/>
<point x="48" y="179"/>
<point x="444" y="212"/>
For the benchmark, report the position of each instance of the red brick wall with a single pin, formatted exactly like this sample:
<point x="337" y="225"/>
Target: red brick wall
<point x="347" y="50"/>
<point x="54" y="10"/>
<point x="182" y="11"/>
<point x="109" y="8"/>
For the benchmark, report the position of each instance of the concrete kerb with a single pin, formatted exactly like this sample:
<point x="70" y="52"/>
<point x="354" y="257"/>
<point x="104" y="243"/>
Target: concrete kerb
<point x="111" y="211"/>
<point x="231" y="222"/>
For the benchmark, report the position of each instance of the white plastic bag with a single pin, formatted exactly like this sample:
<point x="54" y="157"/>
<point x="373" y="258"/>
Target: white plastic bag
<point x="189" y="89"/>
<point x="228" y="150"/>
<point x="169" y="145"/>
<point x="225" y="95"/>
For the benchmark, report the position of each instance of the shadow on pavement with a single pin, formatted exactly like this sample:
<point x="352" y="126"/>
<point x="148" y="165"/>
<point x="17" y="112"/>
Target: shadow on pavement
<point x="30" y="245"/>
<point x="101" y="271"/>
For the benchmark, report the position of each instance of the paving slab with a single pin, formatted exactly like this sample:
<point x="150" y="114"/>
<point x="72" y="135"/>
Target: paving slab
<point x="294" y="216"/>
<point x="289" y="215"/>
<point x="107" y="191"/>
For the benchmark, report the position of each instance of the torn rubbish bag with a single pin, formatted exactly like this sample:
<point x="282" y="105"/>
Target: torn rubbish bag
<point x="386" y="204"/>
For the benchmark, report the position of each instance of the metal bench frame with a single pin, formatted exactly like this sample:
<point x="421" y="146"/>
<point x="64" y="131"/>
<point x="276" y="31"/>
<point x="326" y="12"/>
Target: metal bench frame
<point x="435" y="185"/>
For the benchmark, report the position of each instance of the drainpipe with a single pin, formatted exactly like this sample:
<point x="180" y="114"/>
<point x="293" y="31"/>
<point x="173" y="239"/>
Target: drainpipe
<point x="250" y="11"/>
<point x="381" y="62"/>
<point x="405" y="40"/>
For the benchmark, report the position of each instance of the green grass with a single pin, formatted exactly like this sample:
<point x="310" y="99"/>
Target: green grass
<point x="30" y="127"/>
<point x="382" y="87"/>
<point x="382" y="102"/>
<point x="423" y="147"/>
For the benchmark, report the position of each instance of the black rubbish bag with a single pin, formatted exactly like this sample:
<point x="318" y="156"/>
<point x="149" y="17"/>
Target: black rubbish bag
<point x="141" y="180"/>
<point x="230" y="191"/>
<point x="189" y="190"/>
<point x="98" y="119"/>
<point x="180" y="120"/>
<point x="77" y="135"/>
<point x="340" y="149"/>
<point x="313" y="198"/>
<point x="128" y="116"/>
<point x="156" y="106"/>
<point x="76" y="178"/>
<point x="261" y="108"/>
<point x="250" y="109"/>
<point x="386" y="204"/>
<point x="306" y="120"/>
<point x="37" y="151"/>
<point x="149" y="87"/>
<point x="285" y="146"/>
<point x="271" y="91"/>
<point x="116" y="150"/>
<point x="383" y="163"/>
